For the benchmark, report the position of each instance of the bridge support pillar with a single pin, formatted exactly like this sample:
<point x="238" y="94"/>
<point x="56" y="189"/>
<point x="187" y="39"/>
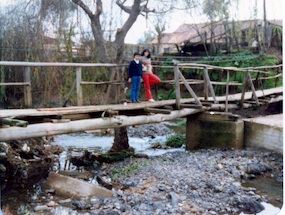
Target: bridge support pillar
<point x="214" y="130"/>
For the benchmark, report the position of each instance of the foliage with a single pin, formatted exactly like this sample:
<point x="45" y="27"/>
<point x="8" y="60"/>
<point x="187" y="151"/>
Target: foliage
<point x="125" y="171"/>
<point x="182" y="123"/>
<point x="117" y="156"/>
<point x="176" y="140"/>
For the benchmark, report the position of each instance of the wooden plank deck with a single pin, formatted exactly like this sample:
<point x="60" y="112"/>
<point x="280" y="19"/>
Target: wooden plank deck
<point x="20" y="113"/>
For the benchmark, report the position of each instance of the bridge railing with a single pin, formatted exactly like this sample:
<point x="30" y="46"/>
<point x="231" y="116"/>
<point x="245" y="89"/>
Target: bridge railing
<point x="27" y="84"/>
<point x="178" y="79"/>
<point x="248" y="81"/>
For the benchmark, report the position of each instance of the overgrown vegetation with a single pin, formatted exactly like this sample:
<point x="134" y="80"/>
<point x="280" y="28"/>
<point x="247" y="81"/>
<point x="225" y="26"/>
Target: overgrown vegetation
<point x="125" y="171"/>
<point x="175" y="141"/>
<point x="243" y="59"/>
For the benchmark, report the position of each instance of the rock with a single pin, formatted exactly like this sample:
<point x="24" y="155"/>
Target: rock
<point x="2" y="168"/>
<point x="149" y="130"/>
<point x="42" y="208"/>
<point x="65" y="201"/>
<point x="131" y="182"/>
<point x="51" y="204"/>
<point x="25" y="148"/>
<point x="256" y="168"/>
<point x="141" y="155"/>
<point x="219" y="166"/>
<point x="3" y="155"/>
<point x="4" y="147"/>
<point x="174" y="198"/>
<point x="50" y="191"/>
<point x="145" y="207"/>
<point x="161" y="187"/>
<point x="248" y="205"/>
<point x="104" y="183"/>
<point x="81" y="204"/>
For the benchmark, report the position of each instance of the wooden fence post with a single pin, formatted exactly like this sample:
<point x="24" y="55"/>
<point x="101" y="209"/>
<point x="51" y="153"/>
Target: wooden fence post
<point x="78" y="86"/>
<point x="27" y="88"/>
<point x="209" y="85"/>
<point x="227" y="90"/>
<point x="177" y="85"/>
<point x="190" y="90"/>
<point x="206" y="88"/>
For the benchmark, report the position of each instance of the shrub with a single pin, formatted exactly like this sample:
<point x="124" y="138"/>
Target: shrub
<point x="175" y="141"/>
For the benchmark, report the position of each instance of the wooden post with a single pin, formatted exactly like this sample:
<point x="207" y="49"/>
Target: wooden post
<point x="191" y="91"/>
<point x="243" y="89"/>
<point x="27" y="88"/>
<point x="209" y="85"/>
<point x="78" y="86"/>
<point x="227" y="89"/>
<point x="177" y="86"/>
<point x="206" y="88"/>
<point x="110" y="87"/>
<point x="253" y="89"/>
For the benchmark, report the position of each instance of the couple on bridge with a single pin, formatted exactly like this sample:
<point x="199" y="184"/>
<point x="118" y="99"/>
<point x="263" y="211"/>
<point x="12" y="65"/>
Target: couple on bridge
<point x="140" y="68"/>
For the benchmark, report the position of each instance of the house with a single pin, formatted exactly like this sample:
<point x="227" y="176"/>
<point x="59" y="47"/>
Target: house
<point x="57" y="46"/>
<point x="202" y="37"/>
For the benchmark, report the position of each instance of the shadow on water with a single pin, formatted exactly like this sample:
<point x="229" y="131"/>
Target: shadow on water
<point x="267" y="186"/>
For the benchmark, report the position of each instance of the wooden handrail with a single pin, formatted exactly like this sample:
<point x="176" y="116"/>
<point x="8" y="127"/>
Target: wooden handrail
<point x="179" y="79"/>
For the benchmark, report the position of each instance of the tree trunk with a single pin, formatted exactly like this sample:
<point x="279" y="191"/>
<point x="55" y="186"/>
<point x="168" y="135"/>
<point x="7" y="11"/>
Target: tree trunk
<point x="121" y="141"/>
<point x="121" y="137"/>
<point x="266" y="42"/>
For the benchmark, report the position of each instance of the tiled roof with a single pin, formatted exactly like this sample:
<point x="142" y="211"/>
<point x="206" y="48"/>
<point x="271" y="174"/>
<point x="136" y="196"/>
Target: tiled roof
<point x="196" y="33"/>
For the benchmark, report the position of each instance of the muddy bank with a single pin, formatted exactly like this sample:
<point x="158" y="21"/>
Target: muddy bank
<point x="26" y="160"/>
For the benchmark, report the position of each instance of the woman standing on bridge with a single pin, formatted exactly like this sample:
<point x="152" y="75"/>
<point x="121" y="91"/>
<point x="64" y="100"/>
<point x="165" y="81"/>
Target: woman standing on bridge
<point x="148" y="77"/>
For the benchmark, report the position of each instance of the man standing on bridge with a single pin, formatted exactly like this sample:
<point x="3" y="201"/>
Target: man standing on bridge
<point x="135" y="76"/>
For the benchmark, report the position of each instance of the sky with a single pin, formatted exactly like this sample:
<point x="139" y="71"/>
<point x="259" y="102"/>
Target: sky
<point x="244" y="11"/>
<point x="275" y="10"/>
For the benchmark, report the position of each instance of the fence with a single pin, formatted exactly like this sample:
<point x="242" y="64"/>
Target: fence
<point x="178" y="80"/>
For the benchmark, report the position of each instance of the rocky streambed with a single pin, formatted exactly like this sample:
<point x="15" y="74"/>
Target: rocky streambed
<point x="204" y="181"/>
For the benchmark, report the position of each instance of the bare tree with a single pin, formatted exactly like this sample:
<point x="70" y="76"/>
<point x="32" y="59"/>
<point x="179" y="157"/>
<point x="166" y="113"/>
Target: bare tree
<point x="138" y="7"/>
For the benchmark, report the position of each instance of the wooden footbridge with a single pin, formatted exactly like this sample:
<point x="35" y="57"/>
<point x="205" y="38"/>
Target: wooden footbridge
<point x="28" y="123"/>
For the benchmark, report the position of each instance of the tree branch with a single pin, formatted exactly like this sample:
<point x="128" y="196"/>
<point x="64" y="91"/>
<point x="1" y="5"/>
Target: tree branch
<point x="84" y="7"/>
<point x="128" y="9"/>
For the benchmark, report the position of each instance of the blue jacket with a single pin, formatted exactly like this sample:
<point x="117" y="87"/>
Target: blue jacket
<point x="135" y="69"/>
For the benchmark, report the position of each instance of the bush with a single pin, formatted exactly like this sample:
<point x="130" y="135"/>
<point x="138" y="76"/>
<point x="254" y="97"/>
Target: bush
<point x="175" y="141"/>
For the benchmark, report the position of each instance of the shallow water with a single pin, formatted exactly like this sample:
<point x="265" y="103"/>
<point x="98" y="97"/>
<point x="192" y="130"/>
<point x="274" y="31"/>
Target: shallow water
<point x="267" y="186"/>
<point x="93" y="142"/>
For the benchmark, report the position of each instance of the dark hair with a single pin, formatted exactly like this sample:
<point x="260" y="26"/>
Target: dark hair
<point x="146" y="50"/>
<point x="136" y="53"/>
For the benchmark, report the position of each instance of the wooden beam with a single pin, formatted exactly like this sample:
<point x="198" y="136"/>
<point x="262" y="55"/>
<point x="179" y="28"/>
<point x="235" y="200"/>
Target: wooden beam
<point x="191" y="91"/>
<point x="27" y="88"/>
<point x="16" y="84"/>
<point x="227" y="90"/>
<point x="253" y="89"/>
<point x="177" y="86"/>
<point x="78" y="86"/>
<point x="157" y="110"/>
<point x="49" y="129"/>
<point x="210" y="86"/>
<point x="13" y="122"/>
<point x="192" y="106"/>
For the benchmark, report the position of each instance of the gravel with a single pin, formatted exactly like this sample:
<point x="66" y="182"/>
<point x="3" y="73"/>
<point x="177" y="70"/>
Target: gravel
<point x="206" y="181"/>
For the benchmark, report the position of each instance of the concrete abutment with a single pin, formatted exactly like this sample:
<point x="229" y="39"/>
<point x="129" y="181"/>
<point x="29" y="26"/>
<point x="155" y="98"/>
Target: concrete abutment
<point x="222" y="130"/>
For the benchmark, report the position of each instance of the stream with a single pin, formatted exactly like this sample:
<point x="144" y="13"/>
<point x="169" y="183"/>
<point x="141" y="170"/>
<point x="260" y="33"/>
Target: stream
<point x="75" y="144"/>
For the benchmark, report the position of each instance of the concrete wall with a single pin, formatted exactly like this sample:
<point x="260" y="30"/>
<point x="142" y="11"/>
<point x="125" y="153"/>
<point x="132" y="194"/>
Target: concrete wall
<point x="224" y="131"/>
<point x="260" y="133"/>
<point x="214" y="130"/>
